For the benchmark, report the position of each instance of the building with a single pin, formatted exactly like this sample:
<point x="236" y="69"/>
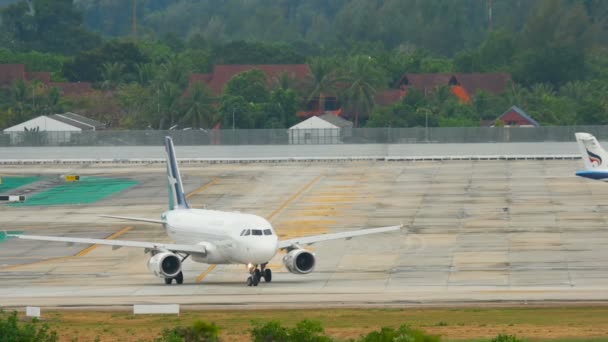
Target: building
<point x="222" y="74"/>
<point x="299" y="73"/>
<point x="55" y="129"/>
<point x="464" y="86"/>
<point x="10" y="73"/>
<point x="317" y="130"/>
<point x="515" y="116"/>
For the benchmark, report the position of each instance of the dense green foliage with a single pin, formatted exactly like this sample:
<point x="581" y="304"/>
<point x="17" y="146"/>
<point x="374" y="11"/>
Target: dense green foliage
<point x="45" y="25"/>
<point x="444" y="27"/>
<point x="555" y="50"/>
<point x="199" y="332"/>
<point x="13" y="331"/>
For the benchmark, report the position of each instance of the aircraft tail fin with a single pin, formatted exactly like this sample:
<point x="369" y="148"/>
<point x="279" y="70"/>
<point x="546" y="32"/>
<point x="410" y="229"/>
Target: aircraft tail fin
<point x="177" y="197"/>
<point x="594" y="156"/>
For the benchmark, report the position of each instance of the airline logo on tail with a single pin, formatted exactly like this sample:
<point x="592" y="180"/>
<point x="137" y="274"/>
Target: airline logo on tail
<point x="594" y="158"/>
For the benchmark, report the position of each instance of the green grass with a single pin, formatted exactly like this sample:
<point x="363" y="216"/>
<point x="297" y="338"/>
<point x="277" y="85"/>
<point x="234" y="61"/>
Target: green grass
<point x="87" y="190"/>
<point x="558" y="324"/>
<point x="11" y="182"/>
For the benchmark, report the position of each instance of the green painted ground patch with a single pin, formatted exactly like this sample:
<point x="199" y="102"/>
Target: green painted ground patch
<point x="87" y="190"/>
<point x="13" y="182"/>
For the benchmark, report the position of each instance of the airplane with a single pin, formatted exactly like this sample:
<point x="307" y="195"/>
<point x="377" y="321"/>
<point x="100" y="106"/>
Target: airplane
<point x="595" y="158"/>
<point x="214" y="237"/>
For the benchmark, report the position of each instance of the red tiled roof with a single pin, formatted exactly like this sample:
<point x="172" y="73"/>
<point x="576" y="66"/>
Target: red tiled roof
<point x="11" y="72"/>
<point x="204" y="78"/>
<point x="517" y="116"/>
<point x="43" y="76"/>
<point x="390" y="96"/>
<point x="492" y="82"/>
<point x="224" y="73"/>
<point x="73" y="89"/>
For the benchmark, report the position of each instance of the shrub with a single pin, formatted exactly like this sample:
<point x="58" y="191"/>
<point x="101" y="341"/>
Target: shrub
<point x="199" y="332"/>
<point x="404" y="333"/>
<point x="506" y="338"/>
<point x="305" y="331"/>
<point x="11" y="330"/>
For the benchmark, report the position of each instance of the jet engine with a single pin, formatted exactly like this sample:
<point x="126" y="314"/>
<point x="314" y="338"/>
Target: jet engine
<point x="299" y="261"/>
<point x="165" y="265"/>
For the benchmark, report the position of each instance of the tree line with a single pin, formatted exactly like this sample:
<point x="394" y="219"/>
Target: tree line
<point x="555" y="50"/>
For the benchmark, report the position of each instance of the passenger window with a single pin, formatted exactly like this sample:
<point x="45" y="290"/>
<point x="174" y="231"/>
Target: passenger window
<point x="267" y="232"/>
<point x="247" y="232"/>
<point x="256" y="232"/>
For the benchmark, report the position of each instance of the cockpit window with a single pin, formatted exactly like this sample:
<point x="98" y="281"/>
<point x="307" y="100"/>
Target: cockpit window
<point x="243" y="232"/>
<point x="247" y="232"/>
<point x="256" y="232"/>
<point x="267" y="232"/>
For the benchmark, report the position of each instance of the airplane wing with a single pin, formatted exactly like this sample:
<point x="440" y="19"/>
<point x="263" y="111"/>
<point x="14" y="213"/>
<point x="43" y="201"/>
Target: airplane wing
<point x="309" y="240"/>
<point x="128" y="218"/>
<point x="117" y="243"/>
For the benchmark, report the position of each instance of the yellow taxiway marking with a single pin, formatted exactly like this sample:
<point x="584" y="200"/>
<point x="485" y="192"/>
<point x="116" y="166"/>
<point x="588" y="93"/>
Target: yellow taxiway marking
<point x="204" y="274"/>
<point x="79" y="254"/>
<point x="202" y="188"/>
<point x="270" y="217"/>
<point x="293" y="197"/>
<point x="46" y="261"/>
<point x="111" y="237"/>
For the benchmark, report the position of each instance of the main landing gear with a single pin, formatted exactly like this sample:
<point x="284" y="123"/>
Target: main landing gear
<point x="256" y="274"/>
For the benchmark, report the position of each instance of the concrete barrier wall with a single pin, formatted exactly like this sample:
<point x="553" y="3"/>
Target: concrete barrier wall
<point x="141" y="309"/>
<point x="282" y="152"/>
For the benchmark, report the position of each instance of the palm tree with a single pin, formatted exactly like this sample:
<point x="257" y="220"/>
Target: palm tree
<point x="283" y="81"/>
<point x="322" y="80"/>
<point x="542" y="90"/>
<point x="112" y="74"/>
<point x="168" y="96"/>
<point x="363" y="78"/>
<point x="19" y="98"/>
<point x="200" y="112"/>
<point x="145" y="73"/>
<point x="517" y="95"/>
<point x="174" y="71"/>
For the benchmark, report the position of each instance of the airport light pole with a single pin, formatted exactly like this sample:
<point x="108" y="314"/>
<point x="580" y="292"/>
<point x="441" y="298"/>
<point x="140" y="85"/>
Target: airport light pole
<point x="426" y="125"/>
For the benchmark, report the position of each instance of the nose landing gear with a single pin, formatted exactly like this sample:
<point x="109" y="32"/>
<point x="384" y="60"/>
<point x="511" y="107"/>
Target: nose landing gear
<point x="179" y="279"/>
<point x="256" y="274"/>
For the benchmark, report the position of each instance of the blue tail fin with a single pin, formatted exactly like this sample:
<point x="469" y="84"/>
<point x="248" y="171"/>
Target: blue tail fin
<point x="177" y="198"/>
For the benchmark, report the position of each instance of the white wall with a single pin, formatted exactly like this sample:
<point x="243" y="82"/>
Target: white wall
<point x="314" y="131"/>
<point x="43" y="123"/>
<point x="314" y="136"/>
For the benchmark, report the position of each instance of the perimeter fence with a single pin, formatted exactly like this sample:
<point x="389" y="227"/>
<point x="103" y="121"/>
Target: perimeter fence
<point x="416" y="135"/>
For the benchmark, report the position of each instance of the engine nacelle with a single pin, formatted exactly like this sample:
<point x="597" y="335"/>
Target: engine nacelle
<point x="165" y="265"/>
<point x="299" y="261"/>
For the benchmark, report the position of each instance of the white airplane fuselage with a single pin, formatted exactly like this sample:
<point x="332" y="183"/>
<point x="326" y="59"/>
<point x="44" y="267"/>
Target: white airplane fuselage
<point x="229" y="238"/>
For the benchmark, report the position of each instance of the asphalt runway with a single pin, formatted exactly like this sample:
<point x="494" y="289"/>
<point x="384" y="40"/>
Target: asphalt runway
<point x="476" y="232"/>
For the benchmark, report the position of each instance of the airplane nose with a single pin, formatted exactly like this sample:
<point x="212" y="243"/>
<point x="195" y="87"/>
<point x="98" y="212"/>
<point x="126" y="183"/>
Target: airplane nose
<point x="264" y="250"/>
